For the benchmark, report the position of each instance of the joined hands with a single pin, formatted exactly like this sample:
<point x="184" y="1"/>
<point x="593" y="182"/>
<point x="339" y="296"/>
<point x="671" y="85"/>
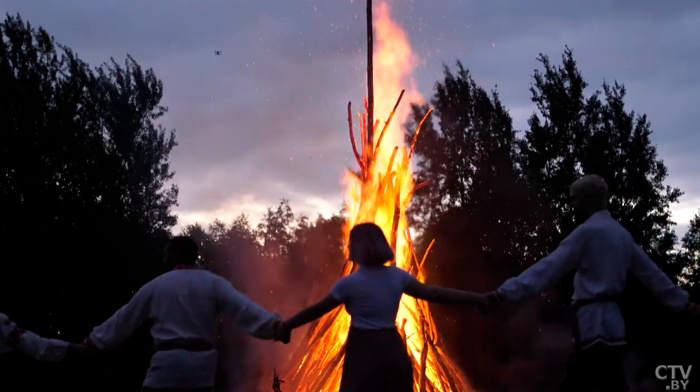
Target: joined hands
<point x="488" y="302"/>
<point x="282" y="332"/>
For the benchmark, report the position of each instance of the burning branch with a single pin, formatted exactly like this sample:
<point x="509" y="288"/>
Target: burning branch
<point x="352" y="139"/>
<point x="388" y="121"/>
<point x="423" y="357"/>
<point x="415" y="137"/>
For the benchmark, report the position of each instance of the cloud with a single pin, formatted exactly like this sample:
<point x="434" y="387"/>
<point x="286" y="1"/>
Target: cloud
<point x="266" y="119"/>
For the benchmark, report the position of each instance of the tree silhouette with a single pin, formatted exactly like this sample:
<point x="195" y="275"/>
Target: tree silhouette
<point x="689" y="256"/>
<point x="83" y="172"/>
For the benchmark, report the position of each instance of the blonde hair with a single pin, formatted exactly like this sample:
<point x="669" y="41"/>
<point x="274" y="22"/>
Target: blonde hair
<point x="368" y="245"/>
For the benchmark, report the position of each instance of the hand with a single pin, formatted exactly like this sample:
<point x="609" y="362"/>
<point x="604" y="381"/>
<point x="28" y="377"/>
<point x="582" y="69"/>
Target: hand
<point x="489" y="302"/>
<point x="693" y="309"/>
<point x="282" y="332"/>
<point x="80" y="351"/>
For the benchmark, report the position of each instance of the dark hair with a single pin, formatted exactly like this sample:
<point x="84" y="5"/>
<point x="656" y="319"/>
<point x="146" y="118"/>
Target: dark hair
<point x="184" y="249"/>
<point x="368" y="245"/>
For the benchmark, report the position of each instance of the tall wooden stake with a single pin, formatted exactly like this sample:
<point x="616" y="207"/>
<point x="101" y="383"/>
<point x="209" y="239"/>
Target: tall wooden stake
<point x="370" y="85"/>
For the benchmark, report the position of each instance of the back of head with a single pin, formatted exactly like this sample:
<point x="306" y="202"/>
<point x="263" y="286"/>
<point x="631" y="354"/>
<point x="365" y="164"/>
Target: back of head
<point x="591" y="191"/>
<point x="368" y="245"/>
<point x="181" y="250"/>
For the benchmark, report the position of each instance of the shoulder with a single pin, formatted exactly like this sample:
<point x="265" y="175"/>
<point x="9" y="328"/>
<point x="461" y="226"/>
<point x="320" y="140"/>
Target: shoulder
<point x="346" y="280"/>
<point x="400" y="274"/>
<point x="343" y="286"/>
<point x="603" y="226"/>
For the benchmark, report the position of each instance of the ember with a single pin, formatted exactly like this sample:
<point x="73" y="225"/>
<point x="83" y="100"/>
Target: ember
<point x="380" y="192"/>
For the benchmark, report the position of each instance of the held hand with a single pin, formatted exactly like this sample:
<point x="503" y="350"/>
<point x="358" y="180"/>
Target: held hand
<point x="489" y="302"/>
<point x="693" y="309"/>
<point x="80" y="351"/>
<point x="282" y="332"/>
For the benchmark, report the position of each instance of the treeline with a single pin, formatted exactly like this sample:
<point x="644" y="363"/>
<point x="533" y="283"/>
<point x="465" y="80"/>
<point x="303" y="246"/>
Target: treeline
<point x="499" y="201"/>
<point x="86" y="209"/>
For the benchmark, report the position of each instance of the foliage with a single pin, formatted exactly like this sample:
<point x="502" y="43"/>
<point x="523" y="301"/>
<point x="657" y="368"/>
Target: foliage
<point x="498" y="203"/>
<point x="86" y="195"/>
<point x="83" y="173"/>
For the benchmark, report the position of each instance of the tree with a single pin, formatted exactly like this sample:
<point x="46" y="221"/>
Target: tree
<point x="689" y="256"/>
<point x="580" y="135"/>
<point x="471" y="163"/>
<point x="477" y="208"/>
<point x="274" y="230"/>
<point x="551" y="149"/>
<point x="82" y="192"/>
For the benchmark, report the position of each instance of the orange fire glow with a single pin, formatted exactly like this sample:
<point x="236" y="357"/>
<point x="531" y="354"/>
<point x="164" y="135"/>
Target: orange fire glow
<point x="380" y="193"/>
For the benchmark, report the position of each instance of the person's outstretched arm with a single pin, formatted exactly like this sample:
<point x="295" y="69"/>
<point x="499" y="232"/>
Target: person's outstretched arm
<point x="313" y="312"/>
<point x="245" y="313"/>
<point x="657" y="281"/>
<point x="437" y="294"/>
<point x="122" y="324"/>
<point x="14" y="338"/>
<point x="546" y="271"/>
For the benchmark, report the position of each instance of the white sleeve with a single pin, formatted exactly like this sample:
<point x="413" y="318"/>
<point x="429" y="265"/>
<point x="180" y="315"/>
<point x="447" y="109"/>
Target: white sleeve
<point x="14" y="338"/>
<point x="123" y="323"/>
<point x="42" y="349"/>
<point x="657" y="281"/>
<point x="7" y="330"/>
<point x="244" y="313"/>
<point x="546" y="271"/>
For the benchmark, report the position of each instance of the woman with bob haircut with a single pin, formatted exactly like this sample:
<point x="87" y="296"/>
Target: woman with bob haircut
<point x="376" y="358"/>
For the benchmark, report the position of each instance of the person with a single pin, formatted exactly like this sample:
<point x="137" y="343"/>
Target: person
<point x="16" y="339"/>
<point x="603" y="253"/>
<point x="183" y="307"/>
<point x="376" y="358"/>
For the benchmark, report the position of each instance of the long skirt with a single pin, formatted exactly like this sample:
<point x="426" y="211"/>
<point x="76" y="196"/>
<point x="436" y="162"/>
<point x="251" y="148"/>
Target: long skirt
<point x="376" y="361"/>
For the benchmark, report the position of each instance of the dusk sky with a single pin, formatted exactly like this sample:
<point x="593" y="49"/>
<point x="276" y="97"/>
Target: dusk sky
<point x="287" y="69"/>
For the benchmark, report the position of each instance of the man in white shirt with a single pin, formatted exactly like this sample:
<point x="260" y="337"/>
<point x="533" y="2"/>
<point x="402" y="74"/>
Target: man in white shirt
<point x="15" y="339"/>
<point x="183" y="306"/>
<point x="602" y="252"/>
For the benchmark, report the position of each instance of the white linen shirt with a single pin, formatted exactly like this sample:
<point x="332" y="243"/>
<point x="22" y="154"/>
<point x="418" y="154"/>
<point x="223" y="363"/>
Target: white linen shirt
<point x="184" y="304"/>
<point x="14" y="338"/>
<point x="602" y="252"/>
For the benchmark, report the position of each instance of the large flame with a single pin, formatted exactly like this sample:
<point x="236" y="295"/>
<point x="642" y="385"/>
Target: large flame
<point x="380" y="193"/>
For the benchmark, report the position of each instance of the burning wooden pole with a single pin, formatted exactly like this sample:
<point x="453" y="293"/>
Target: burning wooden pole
<point x="370" y="82"/>
<point x="379" y="195"/>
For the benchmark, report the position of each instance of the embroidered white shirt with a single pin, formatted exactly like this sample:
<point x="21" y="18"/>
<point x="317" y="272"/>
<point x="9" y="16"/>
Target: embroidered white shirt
<point x="602" y="252"/>
<point x="185" y="304"/>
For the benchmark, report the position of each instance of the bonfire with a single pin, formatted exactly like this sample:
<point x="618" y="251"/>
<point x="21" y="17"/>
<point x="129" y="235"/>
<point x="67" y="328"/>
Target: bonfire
<point x="380" y="191"/>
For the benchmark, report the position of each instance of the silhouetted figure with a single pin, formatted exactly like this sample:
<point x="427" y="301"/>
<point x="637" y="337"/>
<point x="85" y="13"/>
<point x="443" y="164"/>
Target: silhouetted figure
<point x="376" y="358"/>
<point x="183" y="306"/>
<point x="603" y="253"/>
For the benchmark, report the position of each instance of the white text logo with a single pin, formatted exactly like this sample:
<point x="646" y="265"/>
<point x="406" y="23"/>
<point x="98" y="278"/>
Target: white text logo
<point x="676" y="376"/>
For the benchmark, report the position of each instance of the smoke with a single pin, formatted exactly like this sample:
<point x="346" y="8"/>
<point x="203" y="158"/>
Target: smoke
<point x="538" y="351"/>
<point x="279" y="285"/>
